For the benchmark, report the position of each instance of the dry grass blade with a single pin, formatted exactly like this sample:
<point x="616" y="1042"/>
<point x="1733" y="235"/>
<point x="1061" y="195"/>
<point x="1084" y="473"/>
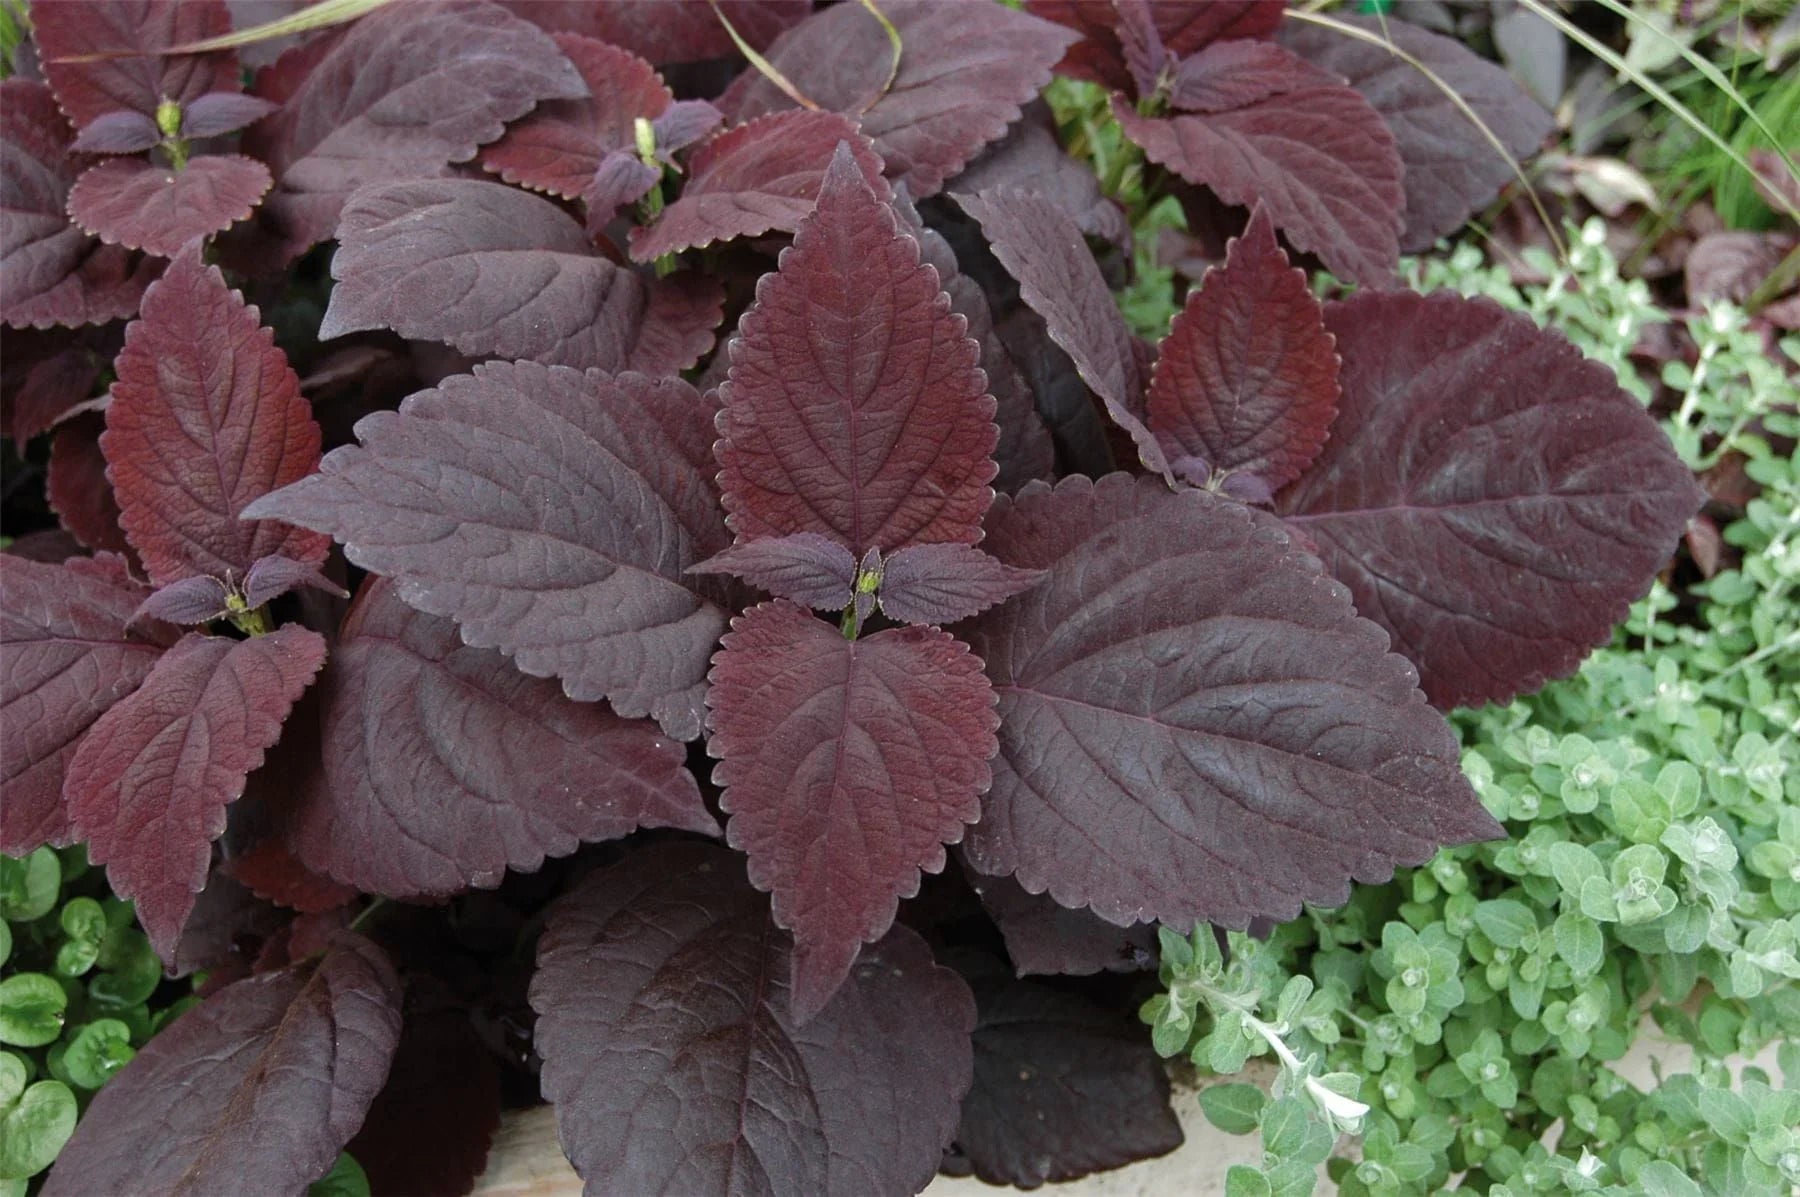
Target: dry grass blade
<point x="320" y="16"/>
<point x="893" y="40"/>
<point x="763" y="65"/>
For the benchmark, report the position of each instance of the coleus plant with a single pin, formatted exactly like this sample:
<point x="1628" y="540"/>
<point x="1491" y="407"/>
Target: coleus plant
<point x="1201" y="683"/>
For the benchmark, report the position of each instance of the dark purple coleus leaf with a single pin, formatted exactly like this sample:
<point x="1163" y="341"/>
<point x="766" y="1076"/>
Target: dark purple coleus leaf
<point x="49" y="372"/>
<point x="159" y="209"/>
<point x="676" y="1065"/>
<point x="1140" y="44"/>
<point x="1041" y="247"/>
<point x="942" y="583"/>
<point x="564" y="551"/>
<point x="206" y="415"/>
<point x="398" y="95"/>
<point x="130" y="73"/>
<point x="273" y="873"/>
<point x="663" y="32"/>
<point x="1318" y="157"/>
<point x="403" y="812"/>
<point x="760" y="177"/>
<point x="118" y="133"/>
<point x="219" y="112"/>
<point x="854" y="406"/>
<point x="1452" y="169"/>
<point x="1063" y="1087"/>
<point x="273" y="576"/>
<point x="1182" y="26"/>
<point x="965" y="71"/>
<point x="148" y="787"/>
<point x="443" y="1090"/>
<point x="67" y="655"/>
<point x="1235" y="74"/>
<point x="78" y="490"/>
<point x="494" y="270"/>
<point x="196" y="600"/>
<point x="1246" y="384"/>
<point x="1490" y="496"/>
<point x="805" y="567"/>
<point x="1134" y="777"/>
<point x="1045" y="937"/>
<point x="1031" y="159"/>
<point x="55" y="273"/>
<point x="256" y="1091"/>
<point x="847" y="765"/>
<point x="1731" y="265"/>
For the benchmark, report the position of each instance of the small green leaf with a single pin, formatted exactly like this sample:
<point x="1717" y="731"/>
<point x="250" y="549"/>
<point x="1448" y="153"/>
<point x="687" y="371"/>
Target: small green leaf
<point x="1241" y="1180"/>
<point x="28" y="887"/>
<point x="346" y="1179"/>
<point x="33" y="1128"/>
<point x="1235" y="1109"/>
<point x="97" y="1051"/>
<point x="1284" y="1127"/>
<point x="1579" y="942"/>
<point x="1659" y="1178"/>
<point x="1728" y="1114"/>
<point x="31" y="1010"/>
<point x="1505" y="922"/>
<point x="1573" y="865"/>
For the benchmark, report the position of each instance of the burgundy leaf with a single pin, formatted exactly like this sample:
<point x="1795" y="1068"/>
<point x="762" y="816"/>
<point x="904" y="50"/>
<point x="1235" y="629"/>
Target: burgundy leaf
<point x="405" y="813"/>
<point x="683" y="123"/>
<point x="194" y="600"/>
<point x="493" y="270"/>
<point x="847" y="765"/>
<point x="559" y="145"/>
<point x="77" y="488"/>
<point x="1731" y="265"/>
<point x="1063" y="1087"/>
<point x="1489" y="496"/>
<point x="47" y="546"/>
<point x="854" y="408"/>
<point x="1031" y="159"/>
<point x="964" y="72"/>
<point x="1318" y="157"/>
<point x="228" y="924"/>
<point x="621" y="179"/>
<point x="273" y="576"/>
<point x="47" y="374"/>
<point x="551" y="514"/>
<point x="140" y="76"/>
<point x="942" y="583"/>
<point x="55" y="273"/>
<point x="1452" y="169"/>
<point x="275" y="874"/>
<point x="1247" y="381"/>
<point x="220" y="112"/>
<point x="137" y="204"/>
<point x="1237" y="74"/>
<point x="397" y="95"/>
<point x="443" y="1090"/>
<point x="1195" y="726"/>
<point x="812" y="570"/>
<point x="256" y="1091"/>
<point x="1043" y="249"/>
<point x="206" y="416"/>
<point x="663" y="32"/>
<point x="65" y="659"/>
<point x="675" y="1064"/>
<point x="118" y="133"/>
<point x="1183" y="26"/>
<point x="1044" y="936"/>
<point x="760" y="177"/>
<point x="148" y="787"/>
<point x="1140" y="44"/>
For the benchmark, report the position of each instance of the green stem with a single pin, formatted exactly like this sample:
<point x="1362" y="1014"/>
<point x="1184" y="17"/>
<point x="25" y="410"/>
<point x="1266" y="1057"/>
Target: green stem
<point x="254" y="622"/>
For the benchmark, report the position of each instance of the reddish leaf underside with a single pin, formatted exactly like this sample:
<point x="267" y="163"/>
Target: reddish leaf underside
<point x="1246" y="384"/>
<point x="65" y="659"/>
<point x="676" y="1067"/>
<point x="55" y="273"/>
<point x="1319" y="158"/>
<point x="1489" y="496"/>
<point x="49" y="372"/>
<point x="494" y="270"/>
<point x="1183" y="27"/>
<point x="964" y="73"/>
<point x="846" y="767"/>
<point x="397" y="95"/>
<point x="140" y="78"/>
<point x="206" y="415"/>
<point x="760" y="177"/>
<point x="272" y="872"/>
<point x="854" y="406"/>
<point x="148" y="787"/>
<point x="1195" y="726"/>
<point x="401" y="810"/>
<point x="551" y="514"/>
<point x="137" y="204"/>
<point x="255" y="1091"/>
<point x="77" y="487"/>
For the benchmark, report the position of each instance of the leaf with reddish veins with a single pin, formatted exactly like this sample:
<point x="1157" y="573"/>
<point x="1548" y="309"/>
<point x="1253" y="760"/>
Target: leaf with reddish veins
<point x="399" y="94"/>
<point x="137" y="204"/>
<point x="854" y="406"/>
<point x="404" y="813"/>
<point x="760" y="177"/>
<point x="1491" y="497"/>
<point x="77" y="487"/>
<point x="942" y="583"/>
<point x="1045" y="937"/>
<point x="1184" y="26"/>
<point x="676" y="1066"/>
<point x="65" y="658"/>
<point x="494" y="270"/>
<point x="812" y="570"/>
<point x="1318" y="157"/>
<point x="148" y="788"/>
<point x="663" y="32"/>
<point x="551" y="514"/>
<point x="964" y="73"/>
<point x="141" y="77"/>
<point x="255" y="1091"/>
<point x="1195" y="726"/>
<point x="55" y="273"/>
<point x="1031" y="159"/>
<point x="1236" y="74"/>
<point x="1041" y="247"/>
<point x="559" y="144"/>
<point x="846" y="767"/>
<point x="1247" y="381"/>
<point x="206" y="416"/>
